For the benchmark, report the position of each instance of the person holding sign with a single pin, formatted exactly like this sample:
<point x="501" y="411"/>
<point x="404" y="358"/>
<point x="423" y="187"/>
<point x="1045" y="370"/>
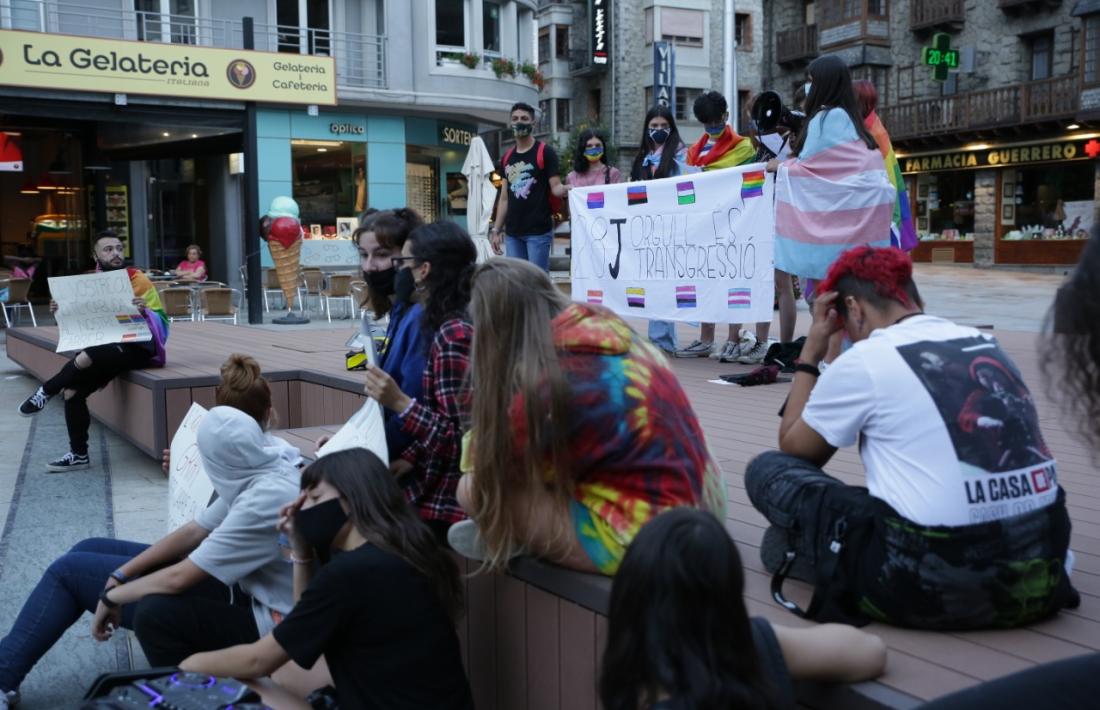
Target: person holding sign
<point x="382" y="612"/>
<point x="568" y="454"/>
<point x="217" y="581"/>
<point x="93" y="368"/>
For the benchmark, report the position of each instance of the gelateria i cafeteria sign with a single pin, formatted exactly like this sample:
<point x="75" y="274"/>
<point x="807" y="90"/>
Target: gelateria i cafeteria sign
<point x="44" y="61"/>
<point x="996" y="157"/>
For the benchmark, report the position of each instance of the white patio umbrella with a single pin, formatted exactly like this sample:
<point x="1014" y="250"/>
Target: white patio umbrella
<point x="479" y="202"/>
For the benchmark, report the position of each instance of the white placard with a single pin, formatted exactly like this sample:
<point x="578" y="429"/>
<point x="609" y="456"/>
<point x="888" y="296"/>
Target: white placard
<point x="365" y="429"/>
<point x="691" y="248"/>
<point x="96" y="309"/>
<point x="189" y="488"/>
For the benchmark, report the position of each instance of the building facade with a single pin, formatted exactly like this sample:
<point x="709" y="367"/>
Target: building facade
<point x="414" y="81"/>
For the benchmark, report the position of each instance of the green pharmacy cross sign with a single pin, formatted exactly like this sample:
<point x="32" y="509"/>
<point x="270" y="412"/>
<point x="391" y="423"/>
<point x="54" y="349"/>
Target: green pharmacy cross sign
<point x="940" y="56"/>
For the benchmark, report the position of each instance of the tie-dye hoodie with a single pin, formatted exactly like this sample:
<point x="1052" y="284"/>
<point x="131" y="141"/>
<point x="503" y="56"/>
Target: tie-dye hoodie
<point x="636" y="446"/>
<point x="155" y="317"/>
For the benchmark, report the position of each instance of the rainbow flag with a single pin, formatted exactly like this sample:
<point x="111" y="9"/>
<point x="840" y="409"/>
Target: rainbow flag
<point x="902" y="232"/>
<point x="636" y="195"/>
<point x="635" y="297"/>
<point x="685" y="297"/>
<point x="685" y="193"/>
<point x="595" y="200"/>
<point x="126" y="319"/>
<point x="595" y="296"/>
<point x="739" y="298"/>
<point x="752" y="184"/>
<point x="834" y="196"/>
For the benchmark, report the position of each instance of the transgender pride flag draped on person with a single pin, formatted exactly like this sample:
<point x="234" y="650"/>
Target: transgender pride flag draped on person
<point x="902" y="232"/>
<point x="834" y="196"/>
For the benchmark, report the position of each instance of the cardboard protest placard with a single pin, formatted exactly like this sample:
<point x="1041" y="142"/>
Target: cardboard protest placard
<point x="697" y="247"/>
<point x="364" y="429"/>
<point x="189" y="488"/>
<point x="96" y="309"/>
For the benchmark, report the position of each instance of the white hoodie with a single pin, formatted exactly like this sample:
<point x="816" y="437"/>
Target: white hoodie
<point x="255" y="474"/>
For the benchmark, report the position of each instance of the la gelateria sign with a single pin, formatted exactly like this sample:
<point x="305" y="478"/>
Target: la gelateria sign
<point x="47" y="61"/>
<point x="996" y="156"/>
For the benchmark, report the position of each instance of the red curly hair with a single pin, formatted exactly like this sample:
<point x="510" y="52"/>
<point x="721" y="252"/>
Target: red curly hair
<point x="887" y="271"/>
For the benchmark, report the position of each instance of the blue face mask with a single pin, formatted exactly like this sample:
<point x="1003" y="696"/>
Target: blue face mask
<point x="715" y="130"/>
<point x="659" y="135"/>
<point x="593" y="154"/>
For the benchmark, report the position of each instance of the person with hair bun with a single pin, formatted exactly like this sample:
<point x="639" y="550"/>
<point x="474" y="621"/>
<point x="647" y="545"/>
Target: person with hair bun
<point x="963" y="524"/>
<point x="439" y="258"/>
<point x="216" y="581"/>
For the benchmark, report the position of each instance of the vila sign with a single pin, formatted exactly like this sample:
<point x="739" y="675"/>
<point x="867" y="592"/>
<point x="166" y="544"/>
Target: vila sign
<point x="600" y="12"/>
<point x="114" y="66"/>
<point x="664" y="75"/>
<point x="995" y="157"/>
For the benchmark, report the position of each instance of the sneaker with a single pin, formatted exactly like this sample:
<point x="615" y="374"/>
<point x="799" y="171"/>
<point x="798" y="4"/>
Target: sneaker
<point x="68" y="462"/>
<point x="773" y="552"/>
<point x="696" y="349"/>
<point x="754" y="355"/>
<point x="8" y="699"/>
<point x="35" y="403"/>
<point x="465" y="539"/>
<point x="729" y="352"/>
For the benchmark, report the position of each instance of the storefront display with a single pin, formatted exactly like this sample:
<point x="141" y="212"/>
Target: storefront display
<point x="329" y="185"/>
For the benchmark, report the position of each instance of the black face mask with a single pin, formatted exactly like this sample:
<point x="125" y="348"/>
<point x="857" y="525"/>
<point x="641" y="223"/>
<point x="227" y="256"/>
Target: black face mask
<point x="404" y="285"/>
<point x="320" y="524"/>
<point x="380" y="281"/>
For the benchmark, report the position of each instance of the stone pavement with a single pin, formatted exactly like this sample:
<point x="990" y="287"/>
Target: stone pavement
<point x="124" y="493"/>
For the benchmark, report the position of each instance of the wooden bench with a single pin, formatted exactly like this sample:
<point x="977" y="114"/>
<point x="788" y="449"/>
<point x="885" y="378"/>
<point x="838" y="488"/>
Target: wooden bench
<point x="533" y="638"/>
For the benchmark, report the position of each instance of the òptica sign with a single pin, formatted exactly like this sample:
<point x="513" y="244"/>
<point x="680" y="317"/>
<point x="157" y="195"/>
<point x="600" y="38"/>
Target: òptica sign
<point x="995" y="157"/>
<point x="71" y="63"/>
<point x="347" y="129"/>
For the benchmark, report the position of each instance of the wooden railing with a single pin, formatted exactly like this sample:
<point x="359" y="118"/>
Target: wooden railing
<point x="1034" y="101"/>
<point x="924" y="14"/>
<point x="797" y="44"/>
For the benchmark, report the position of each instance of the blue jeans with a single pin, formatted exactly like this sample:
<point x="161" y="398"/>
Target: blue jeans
<point x="69" y="587"/>
<point x="663" y="334"/>
<point x="534" y="248"/>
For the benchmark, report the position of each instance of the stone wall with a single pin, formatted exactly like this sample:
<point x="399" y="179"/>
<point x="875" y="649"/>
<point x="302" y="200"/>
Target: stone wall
<point x="985" y="216"/>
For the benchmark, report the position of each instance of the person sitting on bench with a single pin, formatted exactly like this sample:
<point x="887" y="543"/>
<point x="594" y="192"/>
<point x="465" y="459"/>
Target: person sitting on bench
<point x="580" y="431"/>
<point x="217" y="581"/>
<point x="679" y="635"/>
<point x="963" y="523"/>
<point x="93" y="368"/>
<point x="382" y="612"/>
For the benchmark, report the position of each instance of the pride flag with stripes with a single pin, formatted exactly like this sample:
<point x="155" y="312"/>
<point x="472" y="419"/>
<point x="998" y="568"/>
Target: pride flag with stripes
<point x="752" y="185"/>
<point x="635" y="297"/>
<point x="902" y="230"/>
<point x="685" y="297"/>
<point x="685" y="193"/>
<point x="595" y="200"/>
<point x="739" y="298"/>
<point x="595" y="296"/>
<point x="636" y="195"/>
<point x="833" y="197"/>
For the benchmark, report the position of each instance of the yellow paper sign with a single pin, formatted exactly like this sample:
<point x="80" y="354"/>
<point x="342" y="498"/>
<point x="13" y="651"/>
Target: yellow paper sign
<point x="52" y="61"/>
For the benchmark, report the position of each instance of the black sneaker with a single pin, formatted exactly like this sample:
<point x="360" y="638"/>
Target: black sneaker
<point x="68" y="462"/>
<point x="35" y="403"/>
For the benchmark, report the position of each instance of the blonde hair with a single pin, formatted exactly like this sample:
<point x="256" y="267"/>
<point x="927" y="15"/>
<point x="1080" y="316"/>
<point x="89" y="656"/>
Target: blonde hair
<point x="244" y="387"/>
<point x="512" y="305"/>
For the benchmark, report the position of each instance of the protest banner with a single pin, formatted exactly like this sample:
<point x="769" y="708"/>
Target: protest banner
<point x="96" y="309"/>
<point x="691" y="248"/>
<point x="189" y="488"/>
<point x="365" y="429"/>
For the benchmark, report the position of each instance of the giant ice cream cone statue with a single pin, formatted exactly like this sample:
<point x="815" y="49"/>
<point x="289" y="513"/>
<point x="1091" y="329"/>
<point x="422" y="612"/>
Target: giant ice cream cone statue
<point x="284" y="239"/>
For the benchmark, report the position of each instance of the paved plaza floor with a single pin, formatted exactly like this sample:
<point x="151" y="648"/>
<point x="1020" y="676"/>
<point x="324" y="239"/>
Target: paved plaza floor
<point x="124" y="493"/>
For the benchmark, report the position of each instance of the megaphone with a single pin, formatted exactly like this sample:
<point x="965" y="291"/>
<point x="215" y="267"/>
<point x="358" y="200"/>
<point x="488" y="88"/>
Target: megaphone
<point x="766" y="112"/>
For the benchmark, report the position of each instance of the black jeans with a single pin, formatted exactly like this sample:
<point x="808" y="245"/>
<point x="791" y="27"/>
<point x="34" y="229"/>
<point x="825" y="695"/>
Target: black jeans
<point x="208" y="617"/>
<point x="108" y="361"/>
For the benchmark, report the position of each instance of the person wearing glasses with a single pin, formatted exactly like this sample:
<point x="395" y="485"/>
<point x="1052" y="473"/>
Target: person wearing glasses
<point x="440" y="258"/>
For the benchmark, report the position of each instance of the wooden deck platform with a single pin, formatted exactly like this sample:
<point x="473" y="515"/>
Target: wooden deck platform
<point x="532" y="639"/>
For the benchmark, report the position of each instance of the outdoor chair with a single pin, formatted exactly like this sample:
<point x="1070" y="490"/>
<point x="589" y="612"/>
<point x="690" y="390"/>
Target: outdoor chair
<point x="18" y="299"/>
<point x="312" y="285"/>
<point x="219" y="304"/>
<point x="178" y="304"/>
<point x="271" y="286"/>
<point x="339" y="289"/>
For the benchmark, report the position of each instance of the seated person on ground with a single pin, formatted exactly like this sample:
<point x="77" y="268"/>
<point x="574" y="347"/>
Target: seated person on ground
<point x="193" y="268"/>
<point x="375" y="594"/>
<point x="679" y="636"/>
<point x="966" y="523"/>
<point x="580" y="432"/>
<point x="93" y="368"/>
<point x="440" y="257"/>
<point x="214" y="582"/>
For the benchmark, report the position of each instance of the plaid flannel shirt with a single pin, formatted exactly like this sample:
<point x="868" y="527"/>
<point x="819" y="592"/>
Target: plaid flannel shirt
<point x="435" y="424"/>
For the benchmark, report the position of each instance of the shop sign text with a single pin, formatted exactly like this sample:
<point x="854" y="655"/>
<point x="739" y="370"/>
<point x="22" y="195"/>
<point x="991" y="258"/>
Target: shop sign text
<point x="346" y="129"/>
<point x="994" y="157"/>
<point x="451" y="135"/>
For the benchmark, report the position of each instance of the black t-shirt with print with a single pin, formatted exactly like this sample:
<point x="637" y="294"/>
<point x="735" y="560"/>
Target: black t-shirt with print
<point x="386" y="637"/>
<point x="529" y="191"/>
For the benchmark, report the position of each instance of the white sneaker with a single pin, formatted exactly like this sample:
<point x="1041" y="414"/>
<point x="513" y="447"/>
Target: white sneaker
<point x="755" y="354"/>
<point x="729" y="352"/>
<point x="697" y="349"/>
